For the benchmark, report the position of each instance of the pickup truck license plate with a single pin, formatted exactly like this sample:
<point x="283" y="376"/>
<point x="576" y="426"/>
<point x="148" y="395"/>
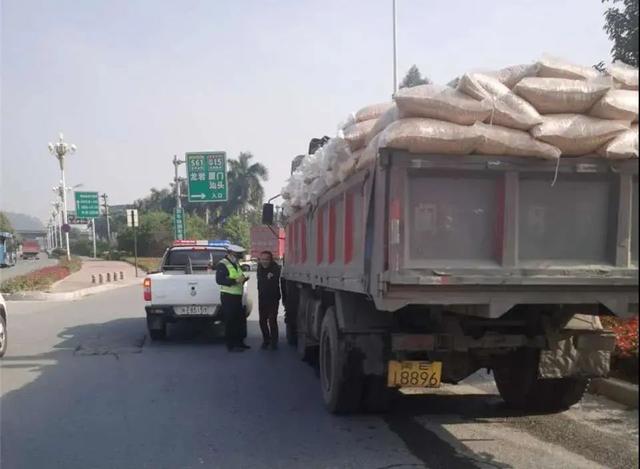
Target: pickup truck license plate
<point x="195" y="310"/>
<point x="414" y="374"/>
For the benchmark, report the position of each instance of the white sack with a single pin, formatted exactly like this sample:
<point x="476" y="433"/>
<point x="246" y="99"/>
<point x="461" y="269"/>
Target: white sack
<point x="317" y="188"/>
<point x="441" y="102"/>
<point x="561" y="95"/>
<point x="356" y="134"/>
<point x="617" y="105"/>
<point x="371" y="112"/>
<point x="509" y="76"/>
<point x="495" y="140"/>
<point x="335" y="151"/>
<point x="577" y="135"/>
<point x="390" y="115"/>
<point x="624" y="75"/>
<point x="553" y="67"/>
<point x="368" y="153"/>
<point x="623" y="147"/>
<point x="508" y="109"/>
<point x="420" y="135"/>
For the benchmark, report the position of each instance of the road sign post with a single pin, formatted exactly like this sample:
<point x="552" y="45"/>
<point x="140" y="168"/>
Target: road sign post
<point x="178" y="223"/>
<point x="132" y="222"/>
<point x="87" y="205"/>
<point x="207" y="176"/>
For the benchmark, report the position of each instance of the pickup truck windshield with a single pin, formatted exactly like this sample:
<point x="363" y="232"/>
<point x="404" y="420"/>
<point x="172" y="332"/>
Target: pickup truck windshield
<point x="202" y="258"/>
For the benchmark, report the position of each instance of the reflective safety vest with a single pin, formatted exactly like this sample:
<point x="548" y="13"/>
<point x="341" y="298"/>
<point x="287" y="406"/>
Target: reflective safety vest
<point x="234" y="274"/>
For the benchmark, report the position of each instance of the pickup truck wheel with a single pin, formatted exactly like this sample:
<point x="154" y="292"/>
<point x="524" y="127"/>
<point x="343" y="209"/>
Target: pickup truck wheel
<point x="520" y="387"/>
<point x="159" y="331"/>
<point x="340" y="378"/>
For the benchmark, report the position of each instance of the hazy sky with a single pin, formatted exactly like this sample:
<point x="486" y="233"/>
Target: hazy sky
<point x="133" y="82"/>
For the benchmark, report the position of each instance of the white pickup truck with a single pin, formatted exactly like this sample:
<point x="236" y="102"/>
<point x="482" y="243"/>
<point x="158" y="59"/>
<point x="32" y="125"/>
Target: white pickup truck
<point x="185" y="288"/>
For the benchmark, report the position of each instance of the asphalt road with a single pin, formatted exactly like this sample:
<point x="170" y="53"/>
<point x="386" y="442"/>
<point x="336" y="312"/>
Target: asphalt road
<point x="25" y="266"/>
<point x="83" y="387"/>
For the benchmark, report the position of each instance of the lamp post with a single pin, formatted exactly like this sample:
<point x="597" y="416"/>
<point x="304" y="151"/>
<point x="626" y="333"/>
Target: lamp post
<point x="395" y="49"/>
<point x="60" y="149"/>
<point x="57" y="222"/>
<point x="105" y="199"/>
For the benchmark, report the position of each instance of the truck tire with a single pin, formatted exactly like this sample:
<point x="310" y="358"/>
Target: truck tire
<point x="340" y="377"/>
<point x="377" y="397"/>
<point x="520" y="387"/>
<point x="307" y="353"/>
<point x="290" y="332"/>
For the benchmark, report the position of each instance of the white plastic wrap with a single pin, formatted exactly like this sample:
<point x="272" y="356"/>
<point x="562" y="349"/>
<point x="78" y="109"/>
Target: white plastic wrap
<point x="577" y="135"/>
<point x="623" y="147"/>
<point x="617" y="105"/>
<point x="496" y="140"/>
<point x="508" y="109"/>
<point x="371" y="112"/>
<point x="554" y="67"/>
<point x="624" y="75"/>
<point x="429" y="136"/>
<point x="442" y="103"/>
<point x="561" y="95"/>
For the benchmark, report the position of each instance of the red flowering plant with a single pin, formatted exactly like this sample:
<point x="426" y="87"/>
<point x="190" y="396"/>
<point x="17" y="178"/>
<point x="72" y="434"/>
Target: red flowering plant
<point x="40" y="279"/>
<point x="626" y="331"/>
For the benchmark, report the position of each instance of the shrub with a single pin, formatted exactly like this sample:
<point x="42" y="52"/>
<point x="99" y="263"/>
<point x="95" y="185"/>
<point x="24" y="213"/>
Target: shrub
<point x="626" y="331"/>
<point x="72" y="264"/>
<point x="40" y="279"/>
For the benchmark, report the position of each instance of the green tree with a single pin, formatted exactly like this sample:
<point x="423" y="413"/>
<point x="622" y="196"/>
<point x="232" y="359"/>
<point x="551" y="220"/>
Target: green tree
<point x="236" y="229"/>
<point x="621" y="24"/>
<point x="155" y="234"/>
<point x="245" y="184"/>
<point x="5" y="224"/>
<point x="196" y="228"/>
<point x="414" y="78"/>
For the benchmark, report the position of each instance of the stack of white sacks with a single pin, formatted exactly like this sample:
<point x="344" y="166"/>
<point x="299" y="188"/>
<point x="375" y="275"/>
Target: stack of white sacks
<point x="544" y="110"/>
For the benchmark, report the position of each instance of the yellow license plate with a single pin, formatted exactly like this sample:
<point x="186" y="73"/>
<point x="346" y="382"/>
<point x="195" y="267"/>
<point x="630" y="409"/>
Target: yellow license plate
<point x="414" y="374"/>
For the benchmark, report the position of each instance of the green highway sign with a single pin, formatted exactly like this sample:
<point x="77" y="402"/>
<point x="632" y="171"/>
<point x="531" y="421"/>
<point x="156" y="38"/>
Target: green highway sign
<point x="178" y="223"/>
<point x="87" y="205"/>
<point x="207" y="176"/>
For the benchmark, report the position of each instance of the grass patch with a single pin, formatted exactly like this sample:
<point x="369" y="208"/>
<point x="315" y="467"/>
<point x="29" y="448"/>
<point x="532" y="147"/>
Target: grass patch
<point x="41" y="279"/>
<point x="148" y="264"/>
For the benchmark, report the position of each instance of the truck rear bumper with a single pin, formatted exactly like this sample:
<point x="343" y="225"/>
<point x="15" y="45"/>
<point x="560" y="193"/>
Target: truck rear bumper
<point x="492" y="301"/>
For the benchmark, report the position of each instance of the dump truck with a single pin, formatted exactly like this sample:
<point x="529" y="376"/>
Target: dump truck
<point x="267" y="239"/>
<point x="423" y="269"/>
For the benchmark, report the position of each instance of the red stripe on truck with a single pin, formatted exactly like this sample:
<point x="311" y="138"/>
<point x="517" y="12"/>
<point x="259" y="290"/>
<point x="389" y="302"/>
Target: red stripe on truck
<point x="348" y="228"/>
<point x="332" y="232"/>
<point x="320" y="235"/>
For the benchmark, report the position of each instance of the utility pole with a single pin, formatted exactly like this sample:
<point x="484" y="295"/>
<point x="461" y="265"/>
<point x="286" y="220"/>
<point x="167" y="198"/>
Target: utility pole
<point x="105" y="198"/>
<point x="395" y="51"/>
<point x="176" y="179"/>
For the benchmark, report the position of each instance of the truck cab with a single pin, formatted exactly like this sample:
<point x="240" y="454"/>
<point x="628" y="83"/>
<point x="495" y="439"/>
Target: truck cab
<point x="185" y="288"/>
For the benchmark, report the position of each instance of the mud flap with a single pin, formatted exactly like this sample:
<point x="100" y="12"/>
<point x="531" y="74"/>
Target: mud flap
<point x="583" y="355"/>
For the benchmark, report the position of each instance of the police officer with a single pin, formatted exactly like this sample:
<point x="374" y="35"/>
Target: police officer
<point x="231" y="279"/>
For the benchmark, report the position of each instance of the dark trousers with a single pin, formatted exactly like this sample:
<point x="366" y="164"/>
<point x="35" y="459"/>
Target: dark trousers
<point x="268" y="313"/>
<point x="235" y="321"/>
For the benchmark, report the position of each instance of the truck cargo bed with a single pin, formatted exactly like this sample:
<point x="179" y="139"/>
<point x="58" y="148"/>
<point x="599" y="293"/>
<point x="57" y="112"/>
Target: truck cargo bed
<point x="481" y="232"/>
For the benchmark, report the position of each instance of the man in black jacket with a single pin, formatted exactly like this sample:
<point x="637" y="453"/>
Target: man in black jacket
<point x="231" y="279"/>
<point x="268" y="299"/>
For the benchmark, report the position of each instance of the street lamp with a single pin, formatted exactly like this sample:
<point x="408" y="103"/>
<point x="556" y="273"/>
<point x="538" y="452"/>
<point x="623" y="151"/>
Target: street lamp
<point x="60" y="150"/>
<point x="55" y="213"/>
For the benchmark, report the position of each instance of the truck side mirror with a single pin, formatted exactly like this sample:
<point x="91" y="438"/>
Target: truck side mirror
<point x="267" y="214"/>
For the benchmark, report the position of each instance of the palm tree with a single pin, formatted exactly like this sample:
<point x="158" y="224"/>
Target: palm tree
<point x="245" y="183"/>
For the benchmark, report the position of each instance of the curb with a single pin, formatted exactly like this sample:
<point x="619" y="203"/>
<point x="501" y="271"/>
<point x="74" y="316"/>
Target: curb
<point x="65" y="296"/>
<point x="617" y="390"/>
